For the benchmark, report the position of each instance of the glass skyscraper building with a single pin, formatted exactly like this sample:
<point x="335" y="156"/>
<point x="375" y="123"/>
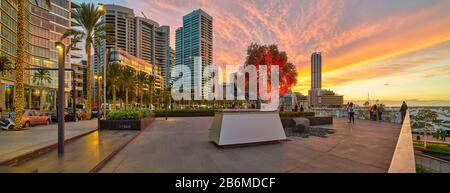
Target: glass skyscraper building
<point x="194" y="40"/>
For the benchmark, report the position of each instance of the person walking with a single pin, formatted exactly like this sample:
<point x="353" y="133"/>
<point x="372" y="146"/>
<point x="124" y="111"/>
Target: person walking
<point x="351" y="113"/>
<point x="403" y="110"/>
<point x="380" y="110"/>
<point x="296" y="108"/>
<point x="373" y="112"/>
<point x="301" y="108"/>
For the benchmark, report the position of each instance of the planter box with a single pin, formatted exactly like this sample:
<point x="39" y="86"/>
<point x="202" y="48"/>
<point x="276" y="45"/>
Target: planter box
<point x="126" y="124"/>
<point x="320" y="120"/>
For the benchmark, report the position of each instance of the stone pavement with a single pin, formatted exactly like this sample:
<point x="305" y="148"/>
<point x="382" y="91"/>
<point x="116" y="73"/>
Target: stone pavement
<point x="16" y="143"/>
<point x="182" y="145"/>
<point x="81" y="155"/>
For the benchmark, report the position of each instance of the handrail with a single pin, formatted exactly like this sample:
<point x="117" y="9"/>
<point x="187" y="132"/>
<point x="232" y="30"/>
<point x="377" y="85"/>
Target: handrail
<point x="403" y="160"/>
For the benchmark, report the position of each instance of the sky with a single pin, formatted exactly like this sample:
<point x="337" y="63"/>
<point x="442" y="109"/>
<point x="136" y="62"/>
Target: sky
<point x="391" y="50"/>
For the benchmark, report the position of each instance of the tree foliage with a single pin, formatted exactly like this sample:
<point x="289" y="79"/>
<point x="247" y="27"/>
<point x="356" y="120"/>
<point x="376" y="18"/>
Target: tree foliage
<point x="270" y="55"/>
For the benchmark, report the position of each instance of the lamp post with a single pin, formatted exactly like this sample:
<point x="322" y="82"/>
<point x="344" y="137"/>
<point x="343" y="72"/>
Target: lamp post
<point x="101" y="9"/>
<point x="60" y="47"/>
<point x="98" y="78"/>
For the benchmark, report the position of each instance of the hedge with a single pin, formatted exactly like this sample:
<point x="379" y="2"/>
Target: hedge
<point x="128" y="114"/>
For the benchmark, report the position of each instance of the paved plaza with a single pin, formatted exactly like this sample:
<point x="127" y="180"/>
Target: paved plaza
<point x="16" y="143"/>
<point x="182" y="145"/>
<point x="82" y="155"/>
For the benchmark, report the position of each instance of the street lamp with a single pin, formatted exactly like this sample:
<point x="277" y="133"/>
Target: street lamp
<point x="101" y="8"/>
<point x="98" y="78"/>
<point x="60" y="47"/>
<point x="102" y="11"/>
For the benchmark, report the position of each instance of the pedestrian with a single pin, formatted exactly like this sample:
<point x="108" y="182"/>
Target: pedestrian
<point x="403" y="110"/>
<point x="301" y="108"/>
<point x="296" y="108"/>
<point x="351" y="113"/>
<point x="380" y="110"/>
<point x="373" y="111"/>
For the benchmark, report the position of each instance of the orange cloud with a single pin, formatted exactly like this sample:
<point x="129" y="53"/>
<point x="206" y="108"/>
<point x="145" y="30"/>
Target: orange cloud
<point x="367" y="38"/>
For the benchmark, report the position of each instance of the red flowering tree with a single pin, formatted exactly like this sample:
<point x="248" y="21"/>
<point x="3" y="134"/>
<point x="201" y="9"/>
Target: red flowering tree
<point x="270" y="55"/>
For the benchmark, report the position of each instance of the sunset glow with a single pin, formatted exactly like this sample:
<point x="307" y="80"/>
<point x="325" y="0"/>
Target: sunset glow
<point x="394" y="50"/>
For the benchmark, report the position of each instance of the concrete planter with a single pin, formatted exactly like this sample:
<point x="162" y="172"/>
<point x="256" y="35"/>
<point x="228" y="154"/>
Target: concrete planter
<point x="290" y="122"/>
<point x="320" y="120"/>
<point x="126" y="124"/>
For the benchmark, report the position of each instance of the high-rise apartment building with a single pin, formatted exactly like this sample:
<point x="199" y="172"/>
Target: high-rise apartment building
<point x="168" y="78"/>
<point x="318" y="97"/>
<point x="316" y="70"/>
<point x="140" y="37"/>
<point x="195" y="40"/>
<point x="44" y="26"/>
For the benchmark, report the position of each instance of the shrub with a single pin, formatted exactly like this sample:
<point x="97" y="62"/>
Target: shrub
<point x="297" y="114"/>
<point x="128" y="114"/>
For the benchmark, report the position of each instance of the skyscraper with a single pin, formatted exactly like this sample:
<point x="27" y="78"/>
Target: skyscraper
<point x="195" y="39"/>
<point x="318" y="97"/>
<point x="316" y="70"/>
<point x="137" y="36"/>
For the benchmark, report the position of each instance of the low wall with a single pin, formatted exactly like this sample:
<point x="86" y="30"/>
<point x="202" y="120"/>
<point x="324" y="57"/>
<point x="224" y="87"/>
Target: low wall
<point x="323" y="120"/>
<point x="126" y="124"/>
<point x="289" y="121"/>
<point x="403" y="160"/>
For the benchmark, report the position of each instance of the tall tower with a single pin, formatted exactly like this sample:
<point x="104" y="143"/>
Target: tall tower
<point x="195" y="39"/>
<point x="316" y="70"/>
<point x="137" y="36"/>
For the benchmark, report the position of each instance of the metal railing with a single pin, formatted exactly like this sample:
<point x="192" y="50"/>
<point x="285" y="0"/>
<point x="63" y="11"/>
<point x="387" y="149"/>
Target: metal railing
<point x="390" y="114"/>
<point x="432" y="164"/>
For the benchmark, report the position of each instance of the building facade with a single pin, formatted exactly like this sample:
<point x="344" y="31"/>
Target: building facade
<point x="139" y="65"/>
<point x="194" y="41"/>
<point x="80" y="80"/>
<point x="318" y="97"/>
<point x="44" y="26"/>
<point x="316" y="70"/>
<point x="140" y="37"/>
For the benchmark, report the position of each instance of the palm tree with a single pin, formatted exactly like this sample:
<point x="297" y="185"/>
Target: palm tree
<point x="20" y="67"/>
<point x="128" y="81"/>
<point x="88" y="18"/>
<point x="151" y="85"/>
<point x="141" y="78"/>
<point x="113" y="78"/>
<point x="40" y="77"/>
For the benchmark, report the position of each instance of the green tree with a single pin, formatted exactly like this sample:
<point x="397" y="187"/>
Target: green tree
<point x="88" y="17"/>
<point x="41" y="77"/>
<point x="128" y="82"/>
<point x="151" y="87"/>
<point x="113" y="79"/>
<point x="141" y="82"/>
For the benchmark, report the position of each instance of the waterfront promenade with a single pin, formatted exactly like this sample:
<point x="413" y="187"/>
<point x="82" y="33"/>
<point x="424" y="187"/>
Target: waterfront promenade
<point x="182" y="145"/>
<point x="16" y="143"/>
